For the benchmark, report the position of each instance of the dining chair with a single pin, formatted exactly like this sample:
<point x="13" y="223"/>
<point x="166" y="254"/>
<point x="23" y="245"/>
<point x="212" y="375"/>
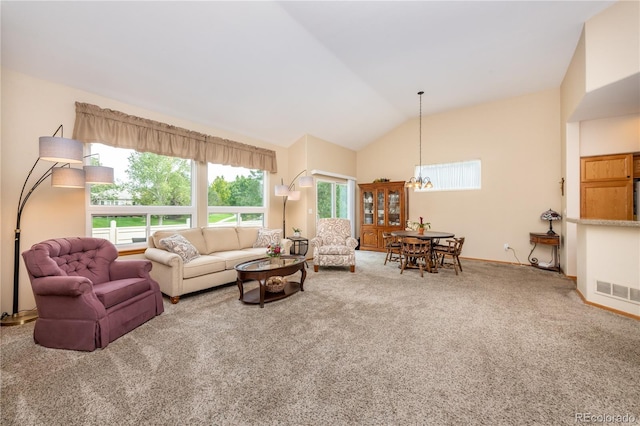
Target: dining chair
<point x="416" y="253"/>
<point x="452" y="250"/>
<point x="393" y="247"/>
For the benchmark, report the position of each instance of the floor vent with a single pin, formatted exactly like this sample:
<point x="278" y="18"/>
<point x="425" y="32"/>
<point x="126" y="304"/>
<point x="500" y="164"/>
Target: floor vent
<point x="618" y="291"/>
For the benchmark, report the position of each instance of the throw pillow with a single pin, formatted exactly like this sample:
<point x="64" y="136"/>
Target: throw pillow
<point x="268" y="236"/>
<point x="181" y="246"/>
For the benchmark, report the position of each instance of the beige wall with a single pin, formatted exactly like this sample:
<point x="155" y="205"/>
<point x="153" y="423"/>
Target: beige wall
<point x="33" y="108"/>
<point x="518" y="141"/>
<point x="614" y="135"/>
<point x="613" y="44"/>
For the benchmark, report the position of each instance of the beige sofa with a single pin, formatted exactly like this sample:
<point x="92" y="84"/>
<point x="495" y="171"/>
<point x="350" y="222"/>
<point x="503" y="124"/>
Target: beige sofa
<point x="221" y="249"/>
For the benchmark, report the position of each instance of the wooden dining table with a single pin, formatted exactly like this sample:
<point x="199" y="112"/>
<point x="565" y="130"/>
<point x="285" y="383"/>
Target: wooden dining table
<point x="433" y="236"/>
<point x="427" y="235"/>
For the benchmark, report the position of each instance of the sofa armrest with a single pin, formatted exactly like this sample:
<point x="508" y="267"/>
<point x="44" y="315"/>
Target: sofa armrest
<point x="286" y="245"/>
<point x="167" y="270"/>
<point x="165" y="257"/>
<point x="61" y="285"/>
<point x="120" y="269"/>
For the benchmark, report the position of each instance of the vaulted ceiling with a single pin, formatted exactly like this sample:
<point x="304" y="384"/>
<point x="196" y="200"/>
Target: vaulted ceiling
<point x="344" y="71"/>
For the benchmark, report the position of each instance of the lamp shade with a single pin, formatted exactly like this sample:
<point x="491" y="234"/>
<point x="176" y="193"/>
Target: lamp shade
<point x="282" y="190"/>
<point x="294" y="195"/>
<point x="550" y="215"/>
<point x="67" y="177"/>
<point x="60" y="150"/>
<point x="306" y="181"/>
<point x="98" y="174"/>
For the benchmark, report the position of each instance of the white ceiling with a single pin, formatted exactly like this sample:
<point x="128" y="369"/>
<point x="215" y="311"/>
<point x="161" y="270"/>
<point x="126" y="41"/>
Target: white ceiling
<point x="346" y="72"/>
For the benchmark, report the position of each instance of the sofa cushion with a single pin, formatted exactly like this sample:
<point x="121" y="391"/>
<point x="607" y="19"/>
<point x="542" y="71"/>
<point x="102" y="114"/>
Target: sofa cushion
<point x="233" y="257"/>
<point x="268" y="236"/>
<point x="194" y="235"/>
<point x="181" y="246"/>
<point x="220" y="239"/>
<point x="204" y="265"/>
<point x="111" y="293"/>
<point x="247" y="236"/>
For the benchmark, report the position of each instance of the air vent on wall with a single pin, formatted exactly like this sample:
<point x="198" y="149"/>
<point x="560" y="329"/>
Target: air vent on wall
<point x="621" y="291"/>
<point x="618" y="291"/>
<point x="603" y="287"/>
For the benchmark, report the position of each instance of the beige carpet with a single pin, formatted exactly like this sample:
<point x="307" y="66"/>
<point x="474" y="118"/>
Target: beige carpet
<point x="497" y="345"/>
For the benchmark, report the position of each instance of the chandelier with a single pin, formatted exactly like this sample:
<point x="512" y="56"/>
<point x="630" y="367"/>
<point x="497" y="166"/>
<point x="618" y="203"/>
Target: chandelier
<point x="419" y="182"/>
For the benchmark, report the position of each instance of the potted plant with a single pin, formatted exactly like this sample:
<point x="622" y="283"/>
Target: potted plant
<point x="296" y="232"/>
<point x="423" y="225"/>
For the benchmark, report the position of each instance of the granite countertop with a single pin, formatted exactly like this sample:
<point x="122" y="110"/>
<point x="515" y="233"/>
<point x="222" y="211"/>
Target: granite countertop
<point x="603" y="222"/>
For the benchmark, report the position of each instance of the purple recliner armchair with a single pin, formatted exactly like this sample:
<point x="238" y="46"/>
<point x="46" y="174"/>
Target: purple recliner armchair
<point x="86" y="298"/>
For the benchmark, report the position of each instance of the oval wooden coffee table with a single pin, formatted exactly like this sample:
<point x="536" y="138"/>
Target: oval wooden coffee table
<point x="261" y="269"/>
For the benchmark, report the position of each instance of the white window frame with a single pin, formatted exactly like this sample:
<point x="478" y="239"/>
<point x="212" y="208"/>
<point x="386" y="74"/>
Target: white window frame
<point x="147" y="211"/>
<point x="452" y="176"/>
<point x="239" y="210"/>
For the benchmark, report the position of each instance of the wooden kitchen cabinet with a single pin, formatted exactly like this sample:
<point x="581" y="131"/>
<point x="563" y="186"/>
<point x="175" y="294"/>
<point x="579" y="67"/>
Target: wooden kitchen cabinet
<point x="611" y="200"/>
<point x="606" y="187"/>
<point x="383" y="208"/>
<point x="636" y="166"/>
<point x="606" y="167"/>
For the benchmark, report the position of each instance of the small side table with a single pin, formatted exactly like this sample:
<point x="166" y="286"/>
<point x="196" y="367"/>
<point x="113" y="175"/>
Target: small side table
<point x="552" y="240"/>
<point x="300" y="246"/>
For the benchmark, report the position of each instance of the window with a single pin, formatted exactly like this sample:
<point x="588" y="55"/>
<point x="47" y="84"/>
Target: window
<point x="153" y="192"/>
<point x="461" y="175"/>
<point x="236" y="196"/>
<point x="149" y="192"/>
<point x="332" y="199"/>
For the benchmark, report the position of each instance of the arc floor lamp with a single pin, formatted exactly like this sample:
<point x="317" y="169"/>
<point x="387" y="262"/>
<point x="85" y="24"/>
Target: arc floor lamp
<point x="62" y="152"/>
<point x="289" y="192"/>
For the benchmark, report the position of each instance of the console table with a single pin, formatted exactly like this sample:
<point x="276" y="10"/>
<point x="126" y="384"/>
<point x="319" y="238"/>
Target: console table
<point x="552" y="240"/>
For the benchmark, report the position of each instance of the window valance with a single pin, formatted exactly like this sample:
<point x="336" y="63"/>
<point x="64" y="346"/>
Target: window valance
<point x="115" y="128"/>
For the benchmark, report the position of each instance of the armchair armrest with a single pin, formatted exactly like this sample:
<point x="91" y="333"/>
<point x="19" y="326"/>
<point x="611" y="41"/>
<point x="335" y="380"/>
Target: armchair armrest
<point x="120" y="269"/>
<point x="61" y="285"/>
<point x="315" y="241"/>
<point x="352" y="243"/>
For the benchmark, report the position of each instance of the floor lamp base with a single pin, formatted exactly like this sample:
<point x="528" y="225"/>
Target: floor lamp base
<point x="20" y="318"/>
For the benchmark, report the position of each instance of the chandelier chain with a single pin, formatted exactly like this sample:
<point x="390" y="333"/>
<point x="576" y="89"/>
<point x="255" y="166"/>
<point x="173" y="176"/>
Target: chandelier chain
<point x="420" y="136"/>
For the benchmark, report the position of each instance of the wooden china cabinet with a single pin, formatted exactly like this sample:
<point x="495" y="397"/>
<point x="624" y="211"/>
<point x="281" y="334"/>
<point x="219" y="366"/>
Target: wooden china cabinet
<point x="383" y="208"/>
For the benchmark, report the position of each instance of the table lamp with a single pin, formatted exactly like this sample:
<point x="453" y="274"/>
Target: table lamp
<point x="550" y="215"/>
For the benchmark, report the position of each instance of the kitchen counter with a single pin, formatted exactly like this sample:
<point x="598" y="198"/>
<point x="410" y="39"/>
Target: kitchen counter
<point x="608" y="263"/>
<point x="604" y="222"/>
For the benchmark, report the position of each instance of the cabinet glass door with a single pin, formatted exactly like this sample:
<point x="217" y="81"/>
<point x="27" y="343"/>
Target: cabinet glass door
<point x="368" y="207"/>
<point x="394" y="208"/>
<point x="381" y="208"/>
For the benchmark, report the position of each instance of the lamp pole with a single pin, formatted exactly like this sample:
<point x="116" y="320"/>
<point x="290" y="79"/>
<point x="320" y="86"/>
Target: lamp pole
<point x="284" y="201"/>
<point x="16" y="318"/>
